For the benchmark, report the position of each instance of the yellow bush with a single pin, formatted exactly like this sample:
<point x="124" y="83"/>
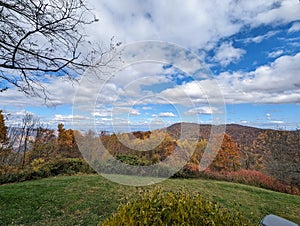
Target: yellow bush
<point x="155" y="207"/>
<point x="36" y="164"/>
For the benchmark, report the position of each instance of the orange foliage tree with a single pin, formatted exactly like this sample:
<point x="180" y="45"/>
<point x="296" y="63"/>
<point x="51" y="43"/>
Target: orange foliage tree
<point x="228" y="157"/>
<point x="67" y="146"/>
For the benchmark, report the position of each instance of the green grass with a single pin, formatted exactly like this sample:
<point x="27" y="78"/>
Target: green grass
<point x="88" y="200"/>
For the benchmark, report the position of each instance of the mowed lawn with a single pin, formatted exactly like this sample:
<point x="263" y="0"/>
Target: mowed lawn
<point x="89" y="199"/>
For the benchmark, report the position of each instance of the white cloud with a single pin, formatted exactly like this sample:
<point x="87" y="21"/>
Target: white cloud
<point x="272" y="121"/>
<point x="280" y="76"/>
<point x="104" y="112"/>
<point x="106" y="119"/>
<point x="134" y="112"/>
<point x="59" y="117"/>
<point x="277" y="122"/>
<point x="146" y="108"/>
<point x="201" y="23"/>
<point x="273" y="12"/>
<point x="194" y="25"/>
<point x="260" y="38"/>
<point x="205" y="110"/>
<point x="139" y="20"/>
<point x="182" y="94"/>
<point x="227" y="54"/>
<point x="193" y="93"/>
<point x="278" y="82"/>
<point x="275" y="54"/>
<point x="60" y="91"/>
<point x="295" y="27"/>
<point x="166" y="114"/>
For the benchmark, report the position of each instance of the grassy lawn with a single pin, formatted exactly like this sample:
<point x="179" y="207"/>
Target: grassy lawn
<point x="88" y="200"/>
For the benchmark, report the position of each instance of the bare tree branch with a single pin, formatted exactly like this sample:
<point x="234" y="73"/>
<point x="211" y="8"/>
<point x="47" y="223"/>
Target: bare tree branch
<point x="39" y="38"/>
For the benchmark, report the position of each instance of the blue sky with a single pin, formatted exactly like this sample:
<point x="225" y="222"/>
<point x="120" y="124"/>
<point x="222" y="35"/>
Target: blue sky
<point x="251" y="50"/>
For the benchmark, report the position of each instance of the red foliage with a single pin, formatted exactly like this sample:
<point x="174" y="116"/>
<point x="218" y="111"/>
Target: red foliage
<point x="249" y="177"/>
<point x="192" y="167"/>
<point x="252" y="177"/>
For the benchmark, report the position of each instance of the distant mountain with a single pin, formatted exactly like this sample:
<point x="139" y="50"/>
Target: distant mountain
<point x="244" y="136"/>
<point x="241" y="134"/>
<point x="275" y="152"/>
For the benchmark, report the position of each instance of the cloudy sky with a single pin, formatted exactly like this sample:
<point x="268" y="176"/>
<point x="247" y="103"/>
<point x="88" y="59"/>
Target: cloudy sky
<point x="207" y="61"/>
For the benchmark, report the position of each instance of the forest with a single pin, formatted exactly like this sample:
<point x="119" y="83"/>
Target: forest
<point x="261" y="157"/>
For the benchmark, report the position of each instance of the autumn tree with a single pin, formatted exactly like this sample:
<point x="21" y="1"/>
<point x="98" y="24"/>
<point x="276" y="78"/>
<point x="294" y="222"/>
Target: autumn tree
<point x="19" y="140"/>
<point x="43" y="37"/>
<point x="4" y="147"/>
<point x="3" y="129"/>
<point x="198" y="152"/>
<point x="44" y="145"/>
<point x="228" y="157"/>
<point x="281" y="155"/>
<point x="67" y="146"/>
<point x="152" y="147"/>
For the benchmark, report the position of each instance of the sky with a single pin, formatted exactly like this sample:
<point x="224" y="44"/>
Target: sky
<point x="208" y="61"/>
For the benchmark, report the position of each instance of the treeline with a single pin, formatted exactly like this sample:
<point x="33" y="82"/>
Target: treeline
<point x="271" y="160"/>
<point x="277" y="153"/>
<point x="151" y="147"/>
<point x="30" y="144"/>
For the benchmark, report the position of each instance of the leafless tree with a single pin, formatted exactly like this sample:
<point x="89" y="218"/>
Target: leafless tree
<point x="44" y="145"/>
<point x="40" y="38"/>
<point x="30" y="123"/>
<point x="22" y="136"/>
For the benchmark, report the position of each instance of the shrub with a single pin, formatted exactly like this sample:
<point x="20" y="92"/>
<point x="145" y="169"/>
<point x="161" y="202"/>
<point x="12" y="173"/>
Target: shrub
<point x="39" y="169"/>
<point x="67" y="166"/>
<point x="155" y="207"/>
<point x="110" y="167"/>
<point x="252" y="177"/>
<point x="188" y="171"/>
<point x="133" y="160"/>
<point x="36" y="164"/>
<point x="5" y="169"/>
<point x="249" y="177"/>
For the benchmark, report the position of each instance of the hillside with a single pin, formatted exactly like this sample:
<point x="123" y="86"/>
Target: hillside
<point x="265" y="158"/>
<point x="274" y="152"/>
<point x="241" y="134"/>
<point x="244" y="136"/>
<point x="87" y="200"/>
